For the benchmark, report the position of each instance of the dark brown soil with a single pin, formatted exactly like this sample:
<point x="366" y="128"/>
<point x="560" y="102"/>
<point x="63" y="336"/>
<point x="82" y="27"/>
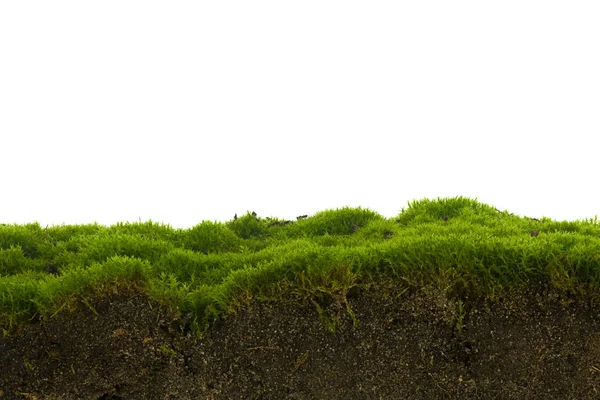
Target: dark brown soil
<point x="535" y="345"/>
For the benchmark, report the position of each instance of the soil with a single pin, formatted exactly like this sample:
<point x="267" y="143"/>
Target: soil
<point x="538" y="344"/>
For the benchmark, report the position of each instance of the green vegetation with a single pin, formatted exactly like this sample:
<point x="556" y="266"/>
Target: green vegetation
<point x="462" y="247"/>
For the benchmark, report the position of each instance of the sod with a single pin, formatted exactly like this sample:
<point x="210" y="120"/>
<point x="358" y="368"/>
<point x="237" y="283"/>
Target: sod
<point x="451" y="298"/>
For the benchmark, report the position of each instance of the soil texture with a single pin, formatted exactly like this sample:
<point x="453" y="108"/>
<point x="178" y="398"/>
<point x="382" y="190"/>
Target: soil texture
<point x="413" y="344"/>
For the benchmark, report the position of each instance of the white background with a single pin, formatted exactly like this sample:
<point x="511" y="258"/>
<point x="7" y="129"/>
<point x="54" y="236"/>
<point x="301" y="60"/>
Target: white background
<point x="183" y="111"/>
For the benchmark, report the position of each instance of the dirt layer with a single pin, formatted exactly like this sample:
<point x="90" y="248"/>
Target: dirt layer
<point x="412" y="345"/>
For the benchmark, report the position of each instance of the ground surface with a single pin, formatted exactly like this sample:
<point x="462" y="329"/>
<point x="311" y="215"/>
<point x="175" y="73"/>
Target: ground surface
<point x="536" y="345"/>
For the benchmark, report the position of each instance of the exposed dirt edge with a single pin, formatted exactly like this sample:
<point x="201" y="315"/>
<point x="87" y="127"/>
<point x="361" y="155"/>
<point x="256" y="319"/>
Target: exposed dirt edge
<point x="419" y="345"/>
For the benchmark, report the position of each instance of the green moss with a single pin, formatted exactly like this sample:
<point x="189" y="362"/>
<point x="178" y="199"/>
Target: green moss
<point x="459" y="245"/>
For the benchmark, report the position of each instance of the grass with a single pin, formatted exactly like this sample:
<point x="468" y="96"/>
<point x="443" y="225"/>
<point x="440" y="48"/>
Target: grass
<point x="458" y="245"/>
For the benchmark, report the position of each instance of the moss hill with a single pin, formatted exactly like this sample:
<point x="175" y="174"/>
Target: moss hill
<point x="456" y="255"/>
<point x="465" y="247"/>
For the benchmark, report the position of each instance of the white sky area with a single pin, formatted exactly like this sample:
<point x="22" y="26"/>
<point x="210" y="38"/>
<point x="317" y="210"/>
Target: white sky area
<point x="187" y="111"/>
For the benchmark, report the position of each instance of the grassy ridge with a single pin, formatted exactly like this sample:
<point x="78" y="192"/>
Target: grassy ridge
<point x="464" y="247"/>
